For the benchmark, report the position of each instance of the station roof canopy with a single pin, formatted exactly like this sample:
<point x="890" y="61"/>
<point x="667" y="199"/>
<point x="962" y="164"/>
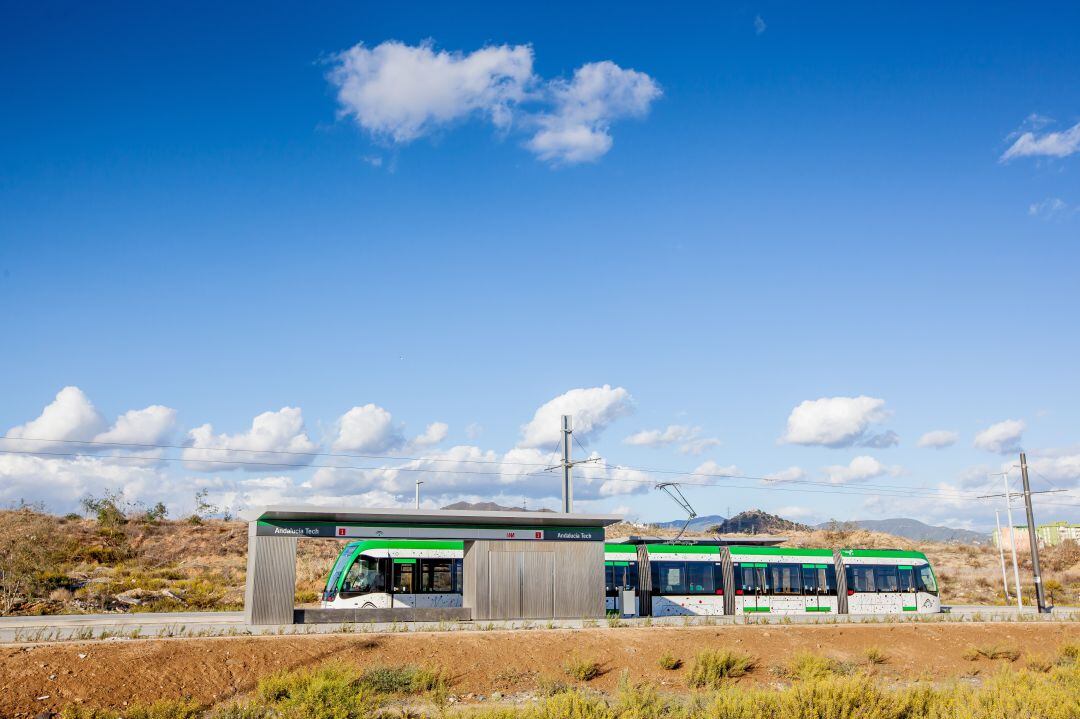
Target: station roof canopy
<point x="345" y="523"/>
<point x="742" y="540"/>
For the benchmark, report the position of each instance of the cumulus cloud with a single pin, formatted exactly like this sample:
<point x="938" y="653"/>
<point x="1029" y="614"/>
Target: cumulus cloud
<point x="1001" y="438"/>
<point x="368" y="428"/>
<point x="578" y="129"/>
<point x="434" y="433"/>
<point x="859" y="469"/>
<point x="791" y="474"/>
<point x="399" y="93"/>
<point x="688" y="438"/>
<point x="593" y="409"/>
<point x="1050" y="144"/>
<point x="938" y="439"/>
<point x="70" y="416"/>
<point x="838" y="422"/>
<point x="714" y="468"/>
<point x="272" y="438"/>
<point x="1061" y="470"/>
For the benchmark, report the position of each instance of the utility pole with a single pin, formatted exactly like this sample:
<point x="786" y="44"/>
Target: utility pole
<point x="1012" y="540"/>
<point x="1001" y="555"/>
<point x="1033" y="539"/>
<point x="567" y="465"/>
<point x="418" y="483"/>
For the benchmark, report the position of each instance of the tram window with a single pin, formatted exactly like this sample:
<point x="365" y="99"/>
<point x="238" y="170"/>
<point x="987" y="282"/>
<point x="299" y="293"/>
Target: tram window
<point x="669" y="577"/>
<point x="609" y="581"/>
<point x="907" y="579"/>
<point x="699" y="578"/>
<point x="436" y="576"/>
<point x="861" y="578"/>
<point x="364" y="576"/>
<point x="458" y="587"/>
<point x="926" y="580"/>
<point x="632" y="576"/>
<point x="819" y="579"/>
<point x="887" y="579"/>
<point x="786" y="578"/>
<point x="750" y="579"/>
<point x="620" y="576"/>
<point x="403" y="577"/>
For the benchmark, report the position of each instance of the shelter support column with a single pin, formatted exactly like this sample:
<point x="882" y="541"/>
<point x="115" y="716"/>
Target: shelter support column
<point x="270" y="586"/>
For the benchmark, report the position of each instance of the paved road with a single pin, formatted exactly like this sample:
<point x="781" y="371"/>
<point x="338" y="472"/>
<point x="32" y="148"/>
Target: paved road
<point x="194" y="624"/>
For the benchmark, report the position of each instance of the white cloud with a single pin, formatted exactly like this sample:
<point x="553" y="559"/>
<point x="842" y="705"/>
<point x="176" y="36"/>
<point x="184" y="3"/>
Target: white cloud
<point x="689" y="438"/>
<point x="272" y="436"/>
<point x="712" y="467"/>
<point x="837" y="422"/>
<point x="434" y="433"/>
<point x="401" y="92"/>
<point x="593" y="409"/>
<point x="759" y="25"/>
<point x="859" y="469"/>
<point x="1050" y="144"/>
<point x="1002" y="438"/>
<point x="1052" y="208"/>
<point x="70" y="416"/>
<point x="938" y="439"/>
<point x="791" y="474"/>
<point x="152" y="425"/>
<point x="577" y="130"/>
<point x="473" y="430"/>
<point x="1060" y="470"/>
<point x="367" y="428"/>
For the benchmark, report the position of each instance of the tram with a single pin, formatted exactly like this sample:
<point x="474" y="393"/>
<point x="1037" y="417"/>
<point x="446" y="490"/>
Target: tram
<point x="692" y="578"/>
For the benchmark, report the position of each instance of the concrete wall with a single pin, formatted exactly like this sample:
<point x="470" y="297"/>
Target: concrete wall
<point x="534" y="580"/>
<point x="271" y="579"/>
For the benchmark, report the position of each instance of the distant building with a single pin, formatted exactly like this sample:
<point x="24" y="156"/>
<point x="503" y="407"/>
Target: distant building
<point x="1054" y="534"/>
<point x="1049" y="535"/>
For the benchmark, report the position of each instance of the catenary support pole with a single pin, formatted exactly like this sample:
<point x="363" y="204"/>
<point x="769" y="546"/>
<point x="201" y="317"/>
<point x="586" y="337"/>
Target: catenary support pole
<point x="1001" y="555"/>
<point x="1033" y="538"/>
<point x="567" y="465"/>
<point x="418" y="483"/>
<point x="1012" y="540"/>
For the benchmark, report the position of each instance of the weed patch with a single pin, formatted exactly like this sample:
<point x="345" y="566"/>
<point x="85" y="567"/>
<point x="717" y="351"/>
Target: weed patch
<point x="712" y="668"/>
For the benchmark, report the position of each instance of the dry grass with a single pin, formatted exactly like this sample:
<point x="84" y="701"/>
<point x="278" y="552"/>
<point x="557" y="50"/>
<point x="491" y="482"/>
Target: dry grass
<point x="713" y="668"/>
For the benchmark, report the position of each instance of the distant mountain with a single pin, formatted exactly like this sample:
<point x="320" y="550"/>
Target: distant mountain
<point x="755" y="521"/>
<point x="915" y="530"/>
<point x="699" y="524"/>
<point x="489" y="507"/>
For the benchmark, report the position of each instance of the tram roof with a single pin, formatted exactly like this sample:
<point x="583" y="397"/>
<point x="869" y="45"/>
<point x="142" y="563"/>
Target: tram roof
<point x="758" y="540"/>
<point x="432" y="517"/>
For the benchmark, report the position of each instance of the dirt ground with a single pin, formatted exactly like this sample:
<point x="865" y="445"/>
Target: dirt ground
<point x="119" y="673"/>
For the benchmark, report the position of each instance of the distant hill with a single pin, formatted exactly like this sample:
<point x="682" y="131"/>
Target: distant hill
<point x="755" y="521"/>
<point x="489" y="507"/>
<point x="915" y="530"/>
<point x="699" y="524"/>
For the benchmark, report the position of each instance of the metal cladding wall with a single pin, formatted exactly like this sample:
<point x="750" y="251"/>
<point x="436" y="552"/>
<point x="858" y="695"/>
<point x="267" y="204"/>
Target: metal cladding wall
<point x="534" y="580"/>
<point x="271" y="579"/>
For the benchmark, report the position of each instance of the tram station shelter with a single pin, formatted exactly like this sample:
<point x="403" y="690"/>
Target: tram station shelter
<point x="517" y="565"/>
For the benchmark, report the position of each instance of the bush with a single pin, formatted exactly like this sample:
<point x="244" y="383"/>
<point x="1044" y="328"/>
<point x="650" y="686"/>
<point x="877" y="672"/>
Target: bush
<point x="806" y="666"/>
<point x="669" y="661"/>
<point x="401" y="680"/>
<point x="162" y="709"/>
<point x="108" y="509"/>
<point x="991" y="651"/>
<point x="875" y="655"/>
<point x="332" y="690"/>
<point x="713" y="668"/>
<point x="581" y="669"/>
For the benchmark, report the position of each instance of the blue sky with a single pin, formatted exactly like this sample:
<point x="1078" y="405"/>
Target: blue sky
<point x="758" y="205"/>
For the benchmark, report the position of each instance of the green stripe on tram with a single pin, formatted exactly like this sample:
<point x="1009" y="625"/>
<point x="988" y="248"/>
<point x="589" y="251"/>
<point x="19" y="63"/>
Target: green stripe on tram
<point x="911" y="609"/>
<point x="404" y="560"/>
<point x="751" y="610"/>
<point x="616" y="564"/>
<point x="819" y="609"/>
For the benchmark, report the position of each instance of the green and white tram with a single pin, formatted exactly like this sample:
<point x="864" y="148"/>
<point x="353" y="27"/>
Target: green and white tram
<point x="666" y="579"/>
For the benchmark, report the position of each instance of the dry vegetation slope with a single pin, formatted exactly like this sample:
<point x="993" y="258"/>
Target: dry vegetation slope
<point x="51" y="564"/>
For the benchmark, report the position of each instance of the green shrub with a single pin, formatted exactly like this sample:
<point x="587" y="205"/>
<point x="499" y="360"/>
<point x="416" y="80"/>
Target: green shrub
<point x="162" y="709"/>
<point x="669" y="661"/>
<point x="1069" y="653"/>
<point x="333" y="690"/>
<point x="807" y="666"/>
<point x="712" y="668"/>
<point x="875" y="655"/>
<point x="401" y="679"/>
<point x="581" y="669"/>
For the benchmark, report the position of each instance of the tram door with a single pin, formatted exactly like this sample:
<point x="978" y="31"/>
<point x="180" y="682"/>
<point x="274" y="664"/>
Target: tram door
<point x="752" y="588"/>
<point x="404" y="582"/>
<point x="909" y="601"/>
